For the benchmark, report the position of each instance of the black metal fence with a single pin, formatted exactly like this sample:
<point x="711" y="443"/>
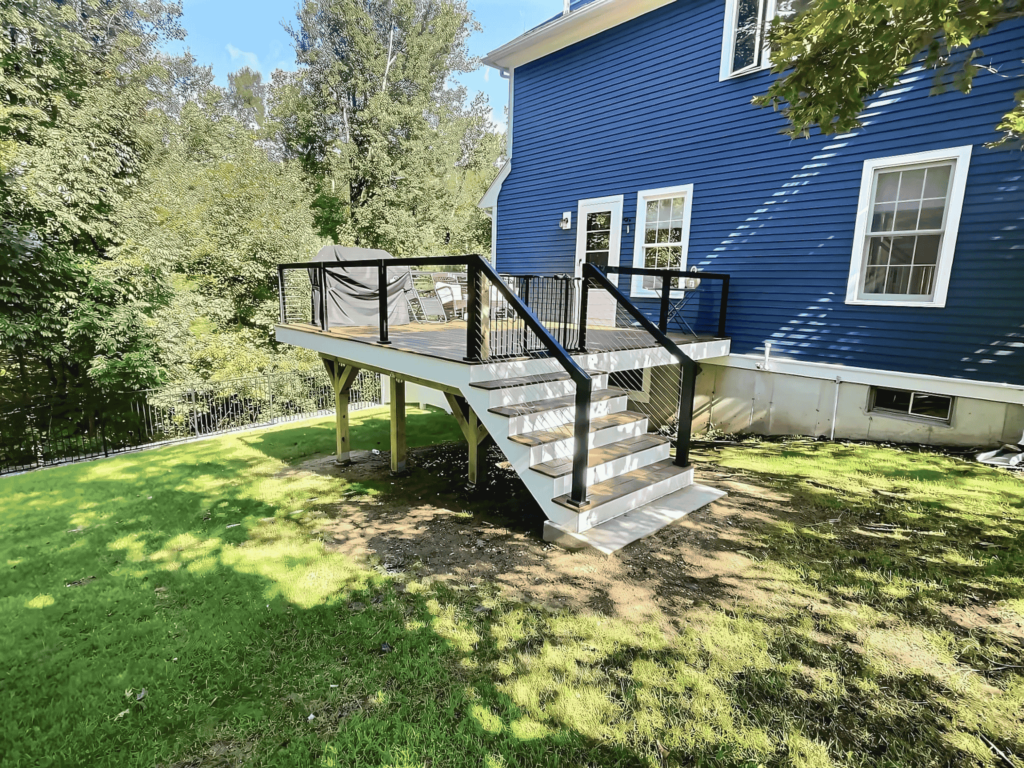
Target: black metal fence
<point x="64" y="431"/>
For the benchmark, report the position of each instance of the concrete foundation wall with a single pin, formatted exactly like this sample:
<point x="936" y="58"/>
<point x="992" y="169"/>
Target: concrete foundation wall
<point x="740" y="401"/>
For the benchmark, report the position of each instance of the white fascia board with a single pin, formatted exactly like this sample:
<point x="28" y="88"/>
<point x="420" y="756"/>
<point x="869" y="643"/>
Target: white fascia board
<point x="490" y="198"/>
<point x="592" y="19"/>
<point x="939" y="385"/>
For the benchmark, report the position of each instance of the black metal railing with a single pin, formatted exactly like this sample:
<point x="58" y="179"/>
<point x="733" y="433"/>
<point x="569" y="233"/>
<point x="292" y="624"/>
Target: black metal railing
<point x="61" y="431"/>
<point x="630" y="322"/>
<point x="674" y="290"/>
<point x="500" y="324"/>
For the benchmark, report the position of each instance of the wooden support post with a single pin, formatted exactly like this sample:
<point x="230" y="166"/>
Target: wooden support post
<point x="474" y="432"/>
<point x="398" y="445"/>
<point x="342" y="378"/>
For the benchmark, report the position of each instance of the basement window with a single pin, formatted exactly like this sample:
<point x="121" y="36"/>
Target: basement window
<point x="916" y="405"/>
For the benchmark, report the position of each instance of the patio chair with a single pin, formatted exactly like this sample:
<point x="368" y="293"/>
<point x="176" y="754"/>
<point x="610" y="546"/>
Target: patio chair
<point x="677" y="306"/>
<point x="450" y="293"/>
<point x="423" y="308"/>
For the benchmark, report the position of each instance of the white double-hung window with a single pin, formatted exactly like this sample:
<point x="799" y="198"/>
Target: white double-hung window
<point x="907" y="221"/>
<point x="745" y="44"/>
<point x="662" y="235"/>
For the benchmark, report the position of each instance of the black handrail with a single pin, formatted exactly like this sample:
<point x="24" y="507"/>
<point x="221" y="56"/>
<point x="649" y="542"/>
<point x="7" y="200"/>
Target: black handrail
<point x="477" y="264"/>
<point x="667" y="275"/>
<point x="690" y="367"/>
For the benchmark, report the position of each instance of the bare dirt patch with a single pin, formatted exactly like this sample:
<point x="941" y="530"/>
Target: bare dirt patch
<point x="429" y="524"/>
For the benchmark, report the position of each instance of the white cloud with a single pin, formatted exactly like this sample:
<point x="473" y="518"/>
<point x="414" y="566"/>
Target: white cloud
<point x="487" y="74"/>
<point x="246" y="58"/>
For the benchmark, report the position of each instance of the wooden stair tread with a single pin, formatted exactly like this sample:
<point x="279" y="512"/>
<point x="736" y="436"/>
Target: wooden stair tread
<point x="568" y="430"/>
<point x="623" y="485"/>
<point x="524" y="381"/>
<point x="566" y="401"/>
<point x="603" y="454"/>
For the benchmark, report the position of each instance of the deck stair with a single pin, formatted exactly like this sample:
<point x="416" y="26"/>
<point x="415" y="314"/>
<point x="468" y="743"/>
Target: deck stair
<point x="634" y="487"/>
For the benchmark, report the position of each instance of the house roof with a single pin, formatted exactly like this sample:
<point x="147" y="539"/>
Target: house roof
<point x="586" y="18"/>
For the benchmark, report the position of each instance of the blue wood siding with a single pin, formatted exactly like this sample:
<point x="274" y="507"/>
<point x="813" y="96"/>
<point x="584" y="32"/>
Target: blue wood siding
<point x="641" y="107"/>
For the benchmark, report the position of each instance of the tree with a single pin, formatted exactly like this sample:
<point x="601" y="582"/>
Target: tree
<point x="839" y="52"/>
<point x="386" y="145"/>
<point x="73" y="144"/>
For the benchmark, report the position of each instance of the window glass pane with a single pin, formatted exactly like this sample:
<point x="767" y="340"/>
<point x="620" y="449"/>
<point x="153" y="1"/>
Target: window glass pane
<point x="878" y="250"/>
<point x="651" y="234"/>
<point x="747" y="46"/>
<point x="892" y="400"/>
<point x="662" y="235"/>
<point x="673" y="257"/>
<point x="937" y="181"/>
<point x="598" y="258"/>
<point x="902" y="251"/>
<point x="597" y="221"/>
<point x="911" y="184"/>
<point x="931" y="213"/>
<point x="931" y="406"/>
<point x="675" y="235"/>
<point x="788" y="8"/>
<point x="874" y="280"/>
<point x="888" y="184"/>
<point x="898" y="280"/>
<point x="597" y="241"/>
<point x="652" y="211"/>
<point x="884" y="217"/>
<point x="651" y="258"/>
<point x="927" y="251"/>
<point x="664" y="210"/>
<point x="922" y="281"/>
<point x="677" y="209"/>
<point x="906" y="216"/>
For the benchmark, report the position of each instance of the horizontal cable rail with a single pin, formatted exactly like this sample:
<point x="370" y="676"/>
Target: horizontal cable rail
<point x="61" y="431"/>
<point x="502" y="321"/>
<point x="683" y="301"/>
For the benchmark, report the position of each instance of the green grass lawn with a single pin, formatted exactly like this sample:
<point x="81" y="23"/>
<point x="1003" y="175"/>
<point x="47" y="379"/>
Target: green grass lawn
<point x="175" y="607"/>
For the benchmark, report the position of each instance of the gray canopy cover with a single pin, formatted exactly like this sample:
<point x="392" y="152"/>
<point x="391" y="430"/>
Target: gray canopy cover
<point x="352" y="297"/>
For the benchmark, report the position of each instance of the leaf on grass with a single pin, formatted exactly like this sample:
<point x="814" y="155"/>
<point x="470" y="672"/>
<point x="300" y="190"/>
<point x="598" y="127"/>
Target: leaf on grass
<point x="141" y="695"/>
<point x="122" y="714"/>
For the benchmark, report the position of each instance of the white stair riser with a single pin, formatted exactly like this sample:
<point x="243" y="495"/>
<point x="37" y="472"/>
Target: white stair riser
<point x="492" y="371"/>
<point x="623" y="504"/>
<point x="601" y="472"/>
<point x="536" y="422"/>
<point x="563" y="448"/>
<point x="533" y="392"/>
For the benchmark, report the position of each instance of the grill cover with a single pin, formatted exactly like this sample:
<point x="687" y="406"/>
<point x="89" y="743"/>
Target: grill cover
<point x="352" y="298"/>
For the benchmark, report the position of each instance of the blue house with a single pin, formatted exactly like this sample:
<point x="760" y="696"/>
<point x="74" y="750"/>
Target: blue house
<point x="666" y="260"/>
<point x="876" y="278"/>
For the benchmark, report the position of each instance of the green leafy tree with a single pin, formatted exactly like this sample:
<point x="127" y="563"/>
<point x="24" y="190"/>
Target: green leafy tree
<point x="839" y="52"/>
<point x="73" y="144"/>
<point x="387" y="145"/>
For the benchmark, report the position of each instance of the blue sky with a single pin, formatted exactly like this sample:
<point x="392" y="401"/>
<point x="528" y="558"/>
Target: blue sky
<point x="229" y="34"/>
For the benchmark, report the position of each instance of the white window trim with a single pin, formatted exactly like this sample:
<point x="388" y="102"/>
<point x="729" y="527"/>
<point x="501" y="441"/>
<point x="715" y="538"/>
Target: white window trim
<point x="962" y="156"/>
<point x="686" y="191"/>
<point x="729" y="43"/>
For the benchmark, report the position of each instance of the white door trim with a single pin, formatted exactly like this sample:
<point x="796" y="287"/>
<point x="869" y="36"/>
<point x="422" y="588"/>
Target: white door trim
<point x="612" y="204"/>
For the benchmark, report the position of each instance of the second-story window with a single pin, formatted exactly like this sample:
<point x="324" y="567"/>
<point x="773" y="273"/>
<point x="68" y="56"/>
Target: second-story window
<point x="745" y="46"/>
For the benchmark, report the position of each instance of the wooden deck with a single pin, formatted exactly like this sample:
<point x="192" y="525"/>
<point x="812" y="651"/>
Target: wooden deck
<point x="447" y="341"/>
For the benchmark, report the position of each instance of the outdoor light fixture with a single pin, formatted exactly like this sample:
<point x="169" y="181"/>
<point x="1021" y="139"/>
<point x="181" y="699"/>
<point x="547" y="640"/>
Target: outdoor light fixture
<point x="566" y="222"/>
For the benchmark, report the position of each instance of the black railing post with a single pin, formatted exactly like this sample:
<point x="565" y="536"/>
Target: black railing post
<point x="580" y="452"/>
<point x="687" y="389"/>
<point x="382" y="301"/>
<point x="584" y="300"/>
<point x="280" y="292"/>
<point x="524" y="294"/>
<point x="722" y="306"/>
<point x="666" y="289"/>
<point x="474" y="333"/>
<point x="323" y="297"/>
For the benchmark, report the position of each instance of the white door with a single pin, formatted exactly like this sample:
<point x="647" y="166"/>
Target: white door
<point x="598" y="237"/>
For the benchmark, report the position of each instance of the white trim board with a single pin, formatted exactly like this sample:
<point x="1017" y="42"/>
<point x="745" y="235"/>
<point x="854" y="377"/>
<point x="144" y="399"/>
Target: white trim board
<point x="636" y="286"/>
<point x="490" y="197"/>
<point x="961" y="156"/>
<point x="939" y="385"/>
<point x="592" y="19"/>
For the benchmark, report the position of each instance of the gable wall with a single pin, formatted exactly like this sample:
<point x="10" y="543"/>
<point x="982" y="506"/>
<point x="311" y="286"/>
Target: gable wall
<point x="641" y="107"/>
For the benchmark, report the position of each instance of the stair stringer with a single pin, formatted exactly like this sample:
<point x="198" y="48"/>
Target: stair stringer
<point x="518" y="456"/>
